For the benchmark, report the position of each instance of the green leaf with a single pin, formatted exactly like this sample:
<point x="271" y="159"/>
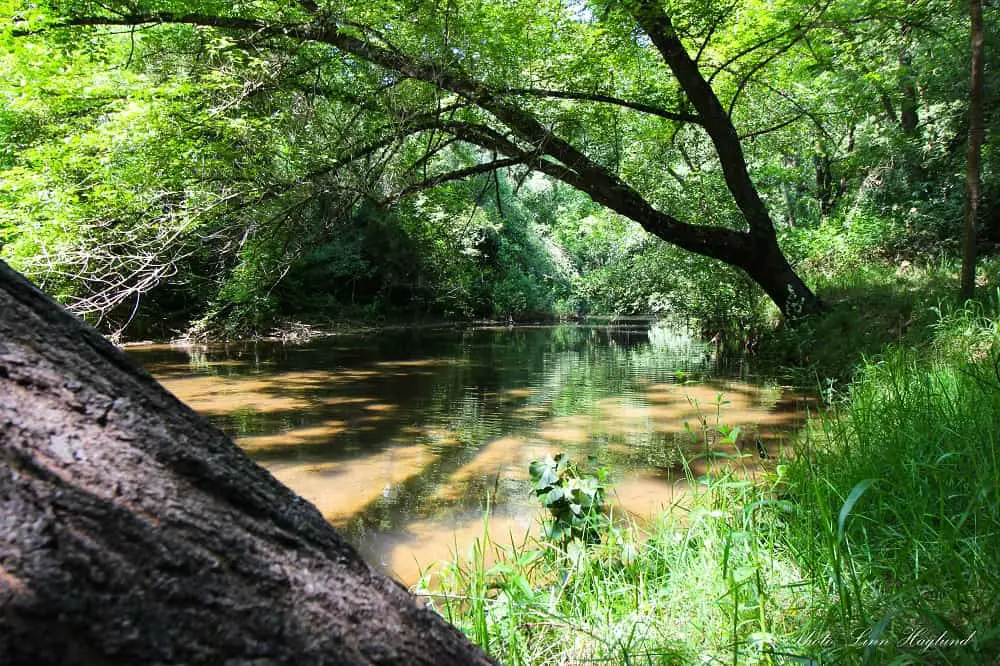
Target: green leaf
<point x="852" y="499"/>
<point x="553" y="496"/>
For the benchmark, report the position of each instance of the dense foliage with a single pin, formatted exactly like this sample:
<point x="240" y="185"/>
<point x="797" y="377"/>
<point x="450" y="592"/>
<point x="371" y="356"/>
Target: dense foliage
<point x="164" y="176"/>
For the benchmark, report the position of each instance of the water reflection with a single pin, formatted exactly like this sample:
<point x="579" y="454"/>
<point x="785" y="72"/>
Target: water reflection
<point x="399" y="438"/>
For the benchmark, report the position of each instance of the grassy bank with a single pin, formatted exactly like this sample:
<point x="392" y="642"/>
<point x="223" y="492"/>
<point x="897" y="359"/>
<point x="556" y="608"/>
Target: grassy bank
<point x="873" y="305"/>
<point x="878" y="542"/>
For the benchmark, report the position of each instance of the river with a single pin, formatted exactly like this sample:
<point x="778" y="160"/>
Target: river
<point x="400" y="437"/>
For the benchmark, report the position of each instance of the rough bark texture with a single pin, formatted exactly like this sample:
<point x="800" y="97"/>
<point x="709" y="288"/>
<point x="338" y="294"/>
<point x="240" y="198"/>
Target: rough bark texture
<point x="134" y="532"/>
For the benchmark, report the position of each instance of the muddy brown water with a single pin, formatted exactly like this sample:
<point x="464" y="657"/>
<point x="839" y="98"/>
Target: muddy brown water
<point x="399" y="438"/>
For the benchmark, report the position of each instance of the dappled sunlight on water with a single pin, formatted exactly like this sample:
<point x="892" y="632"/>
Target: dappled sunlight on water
<point x="221" y="395"/>
<point x="322" y="433"/>
<point x="565" y="429"/>
<point x="399" y="439"/>
<point x="358" y="481"/>
<point x="643" y="494"/>
<point x="505" y="457"/>
<point x="425" y="544"/>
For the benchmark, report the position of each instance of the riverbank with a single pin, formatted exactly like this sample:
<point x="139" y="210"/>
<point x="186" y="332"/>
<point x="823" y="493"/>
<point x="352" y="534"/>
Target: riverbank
<point x="876" y="542"/>
<point x="300" y="331"/>
<point x="873" y="305"/>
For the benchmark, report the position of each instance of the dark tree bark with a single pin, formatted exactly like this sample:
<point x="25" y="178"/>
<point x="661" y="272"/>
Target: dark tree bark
<point x="909" y="121"/>
<point x="824" y="181"/>
<point x="976" y="130"/>
<point x="134" y="532"/>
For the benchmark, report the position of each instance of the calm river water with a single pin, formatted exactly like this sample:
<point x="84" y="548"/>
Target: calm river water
<point x="399" y="437"/>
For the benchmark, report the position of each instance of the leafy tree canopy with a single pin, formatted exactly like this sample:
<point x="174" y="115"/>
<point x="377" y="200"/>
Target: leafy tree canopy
<point x="193" y="144"/>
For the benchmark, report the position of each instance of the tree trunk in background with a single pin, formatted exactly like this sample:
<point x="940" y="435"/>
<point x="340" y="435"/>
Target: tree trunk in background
<point x="908" y="119"/>
<point x="972" y="180"/>
<point x="824" y="181"/>
<point x="133" y="532"/>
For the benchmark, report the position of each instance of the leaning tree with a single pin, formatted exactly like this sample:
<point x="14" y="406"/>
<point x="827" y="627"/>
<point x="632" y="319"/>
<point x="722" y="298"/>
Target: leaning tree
<point x="134" y="532"/>
<point x="527" y="84"/>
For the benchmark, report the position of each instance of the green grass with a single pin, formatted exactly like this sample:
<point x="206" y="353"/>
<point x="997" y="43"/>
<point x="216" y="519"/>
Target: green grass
<point x="693" y="585"/>
<point x="880" y="534"/>
<point x="869" y="307"/>
<point x="872" y="305"/>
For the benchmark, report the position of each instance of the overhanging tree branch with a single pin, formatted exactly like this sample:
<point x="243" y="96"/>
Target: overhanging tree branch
<point x="604" y="186"/>
<point x="459" y="174"/>
<point x="204" y="20"/>
<point x="755" y="251"/>
<point x="604" y="99"/>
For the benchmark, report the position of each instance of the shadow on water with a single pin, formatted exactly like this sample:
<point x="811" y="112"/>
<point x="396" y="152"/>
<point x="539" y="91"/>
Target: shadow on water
<point x="399" y="438"/>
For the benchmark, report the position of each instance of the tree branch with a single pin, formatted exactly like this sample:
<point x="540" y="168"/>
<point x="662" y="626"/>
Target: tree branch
<point x="204" y="20"/>
<point x="773" y="38"/>
<point x="717" y="123"/>
<point x="459" y="174"/>
<point x="571" y="165"/>
<point x="716" y="22"/>
<point x="784" y="49"/>
<point x="605" y="99"/>
<point x="774" y="128"/>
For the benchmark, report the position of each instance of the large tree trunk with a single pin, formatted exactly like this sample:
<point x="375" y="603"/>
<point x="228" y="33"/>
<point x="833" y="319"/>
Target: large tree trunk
<point x="759" y="255"/>
<point x="909" y="120"/>
<point x="133" y="532"/>
<point x="768" y="267"/>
